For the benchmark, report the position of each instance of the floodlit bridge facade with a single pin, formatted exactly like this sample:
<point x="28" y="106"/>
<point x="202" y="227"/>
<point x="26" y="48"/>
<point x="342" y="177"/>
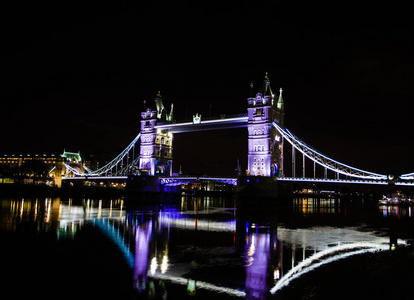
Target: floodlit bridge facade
<point x="151" y="151"/>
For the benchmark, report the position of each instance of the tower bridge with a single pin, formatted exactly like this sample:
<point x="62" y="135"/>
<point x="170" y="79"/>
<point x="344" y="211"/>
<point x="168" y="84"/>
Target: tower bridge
<point x="269" y="143"/>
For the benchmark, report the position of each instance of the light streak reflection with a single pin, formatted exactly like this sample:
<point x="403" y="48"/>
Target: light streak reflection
<point x="315" y="261"/>
<point x="200" y="284"/>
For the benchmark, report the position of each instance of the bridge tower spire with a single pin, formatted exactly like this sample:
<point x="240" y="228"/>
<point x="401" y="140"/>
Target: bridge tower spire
<point x="265" y="145"/>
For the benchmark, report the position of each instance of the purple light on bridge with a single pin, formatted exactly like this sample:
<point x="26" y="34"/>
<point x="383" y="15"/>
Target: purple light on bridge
<point x="175" y="181"/>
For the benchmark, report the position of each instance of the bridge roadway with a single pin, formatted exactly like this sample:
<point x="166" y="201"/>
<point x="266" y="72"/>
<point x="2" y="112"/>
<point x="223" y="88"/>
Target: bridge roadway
<point x="331" y="180"/>
<point x="348" y="181"/>
<point x="178" y="180"/>
<point x="104" y="178"/>
<point x="174" y="181"/>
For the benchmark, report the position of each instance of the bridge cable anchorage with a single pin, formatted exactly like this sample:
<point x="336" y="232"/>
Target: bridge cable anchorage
<point x="324" y="160"/>
<point x="118" y="160"/>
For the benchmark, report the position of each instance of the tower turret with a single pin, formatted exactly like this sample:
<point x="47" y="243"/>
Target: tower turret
<point x="159" y="105"/>
<point x="266" y="89"/>
<point x="279" y="116"/>
<point x="280" y="104"/>
<point x="162" y="113"/>
<point x="170" y="117"/>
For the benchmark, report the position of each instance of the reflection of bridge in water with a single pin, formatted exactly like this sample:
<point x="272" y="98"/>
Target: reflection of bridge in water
<point x="199" y="242"/>
<point x="148" y="240"/>
<point x="147" y="252"/>
<point x="167" y="243"/>
<point x="270" y="255"/>
<point x="261" y="248"/>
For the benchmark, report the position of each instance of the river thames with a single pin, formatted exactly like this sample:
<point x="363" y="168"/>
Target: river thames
<point x="196" y="247"/>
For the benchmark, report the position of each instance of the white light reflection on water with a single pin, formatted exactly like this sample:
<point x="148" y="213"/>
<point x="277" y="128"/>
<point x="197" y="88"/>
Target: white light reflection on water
<point x="326" y="256"/>
<point x="184" y="222"/>
<point x="164" y="264"/>
<point x="200" y="284"/>
<point x="52" y="214"/>
<point x="319" y="238"/>
<point x="69" y="213"/>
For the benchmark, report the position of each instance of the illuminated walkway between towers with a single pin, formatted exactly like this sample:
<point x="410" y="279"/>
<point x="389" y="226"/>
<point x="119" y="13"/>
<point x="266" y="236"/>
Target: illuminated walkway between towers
<point x="223" y="122"/>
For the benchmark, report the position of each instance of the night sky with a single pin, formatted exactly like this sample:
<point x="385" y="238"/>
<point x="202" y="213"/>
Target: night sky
<point x="75" y="75"/>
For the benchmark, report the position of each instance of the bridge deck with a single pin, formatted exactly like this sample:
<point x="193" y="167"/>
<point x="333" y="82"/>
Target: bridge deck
<point x="329" y="180"/>
<point x="173" y="181"/>
<point x="96" y="178"/>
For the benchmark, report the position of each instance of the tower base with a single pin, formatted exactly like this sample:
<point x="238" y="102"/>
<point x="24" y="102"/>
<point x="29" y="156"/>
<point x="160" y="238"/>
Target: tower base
<point x="259" y="187"/>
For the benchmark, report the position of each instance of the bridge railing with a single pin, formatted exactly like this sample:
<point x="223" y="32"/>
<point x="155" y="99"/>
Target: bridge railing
<point x="332" y="180"/>
<point x="174" y="181"/>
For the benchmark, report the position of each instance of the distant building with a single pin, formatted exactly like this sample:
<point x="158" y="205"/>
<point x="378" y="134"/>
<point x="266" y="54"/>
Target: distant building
<point x="46" y="168"/>
<point x="18" y="160"/>
<point x="25" y="166"/>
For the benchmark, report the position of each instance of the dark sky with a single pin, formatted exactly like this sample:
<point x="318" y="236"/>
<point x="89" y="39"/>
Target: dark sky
<point x="75" y="74"/>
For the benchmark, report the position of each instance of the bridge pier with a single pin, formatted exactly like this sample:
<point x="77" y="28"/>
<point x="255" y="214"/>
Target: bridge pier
<point x="256" y="188"/>
<point x="149" y="184"/>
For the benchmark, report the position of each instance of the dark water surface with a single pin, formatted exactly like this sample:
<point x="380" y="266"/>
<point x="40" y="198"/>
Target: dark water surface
<point x="203" y="248"/>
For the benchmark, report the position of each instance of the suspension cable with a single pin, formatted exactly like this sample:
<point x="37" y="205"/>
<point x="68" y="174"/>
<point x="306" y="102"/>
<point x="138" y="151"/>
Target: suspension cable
<point x="109" y="166"/>
<point x="324" y="160"/>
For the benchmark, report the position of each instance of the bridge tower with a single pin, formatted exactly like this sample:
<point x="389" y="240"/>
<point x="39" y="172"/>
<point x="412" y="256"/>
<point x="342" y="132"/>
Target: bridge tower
<point x="265" y="145"/>
<point x="156" y="145"/>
